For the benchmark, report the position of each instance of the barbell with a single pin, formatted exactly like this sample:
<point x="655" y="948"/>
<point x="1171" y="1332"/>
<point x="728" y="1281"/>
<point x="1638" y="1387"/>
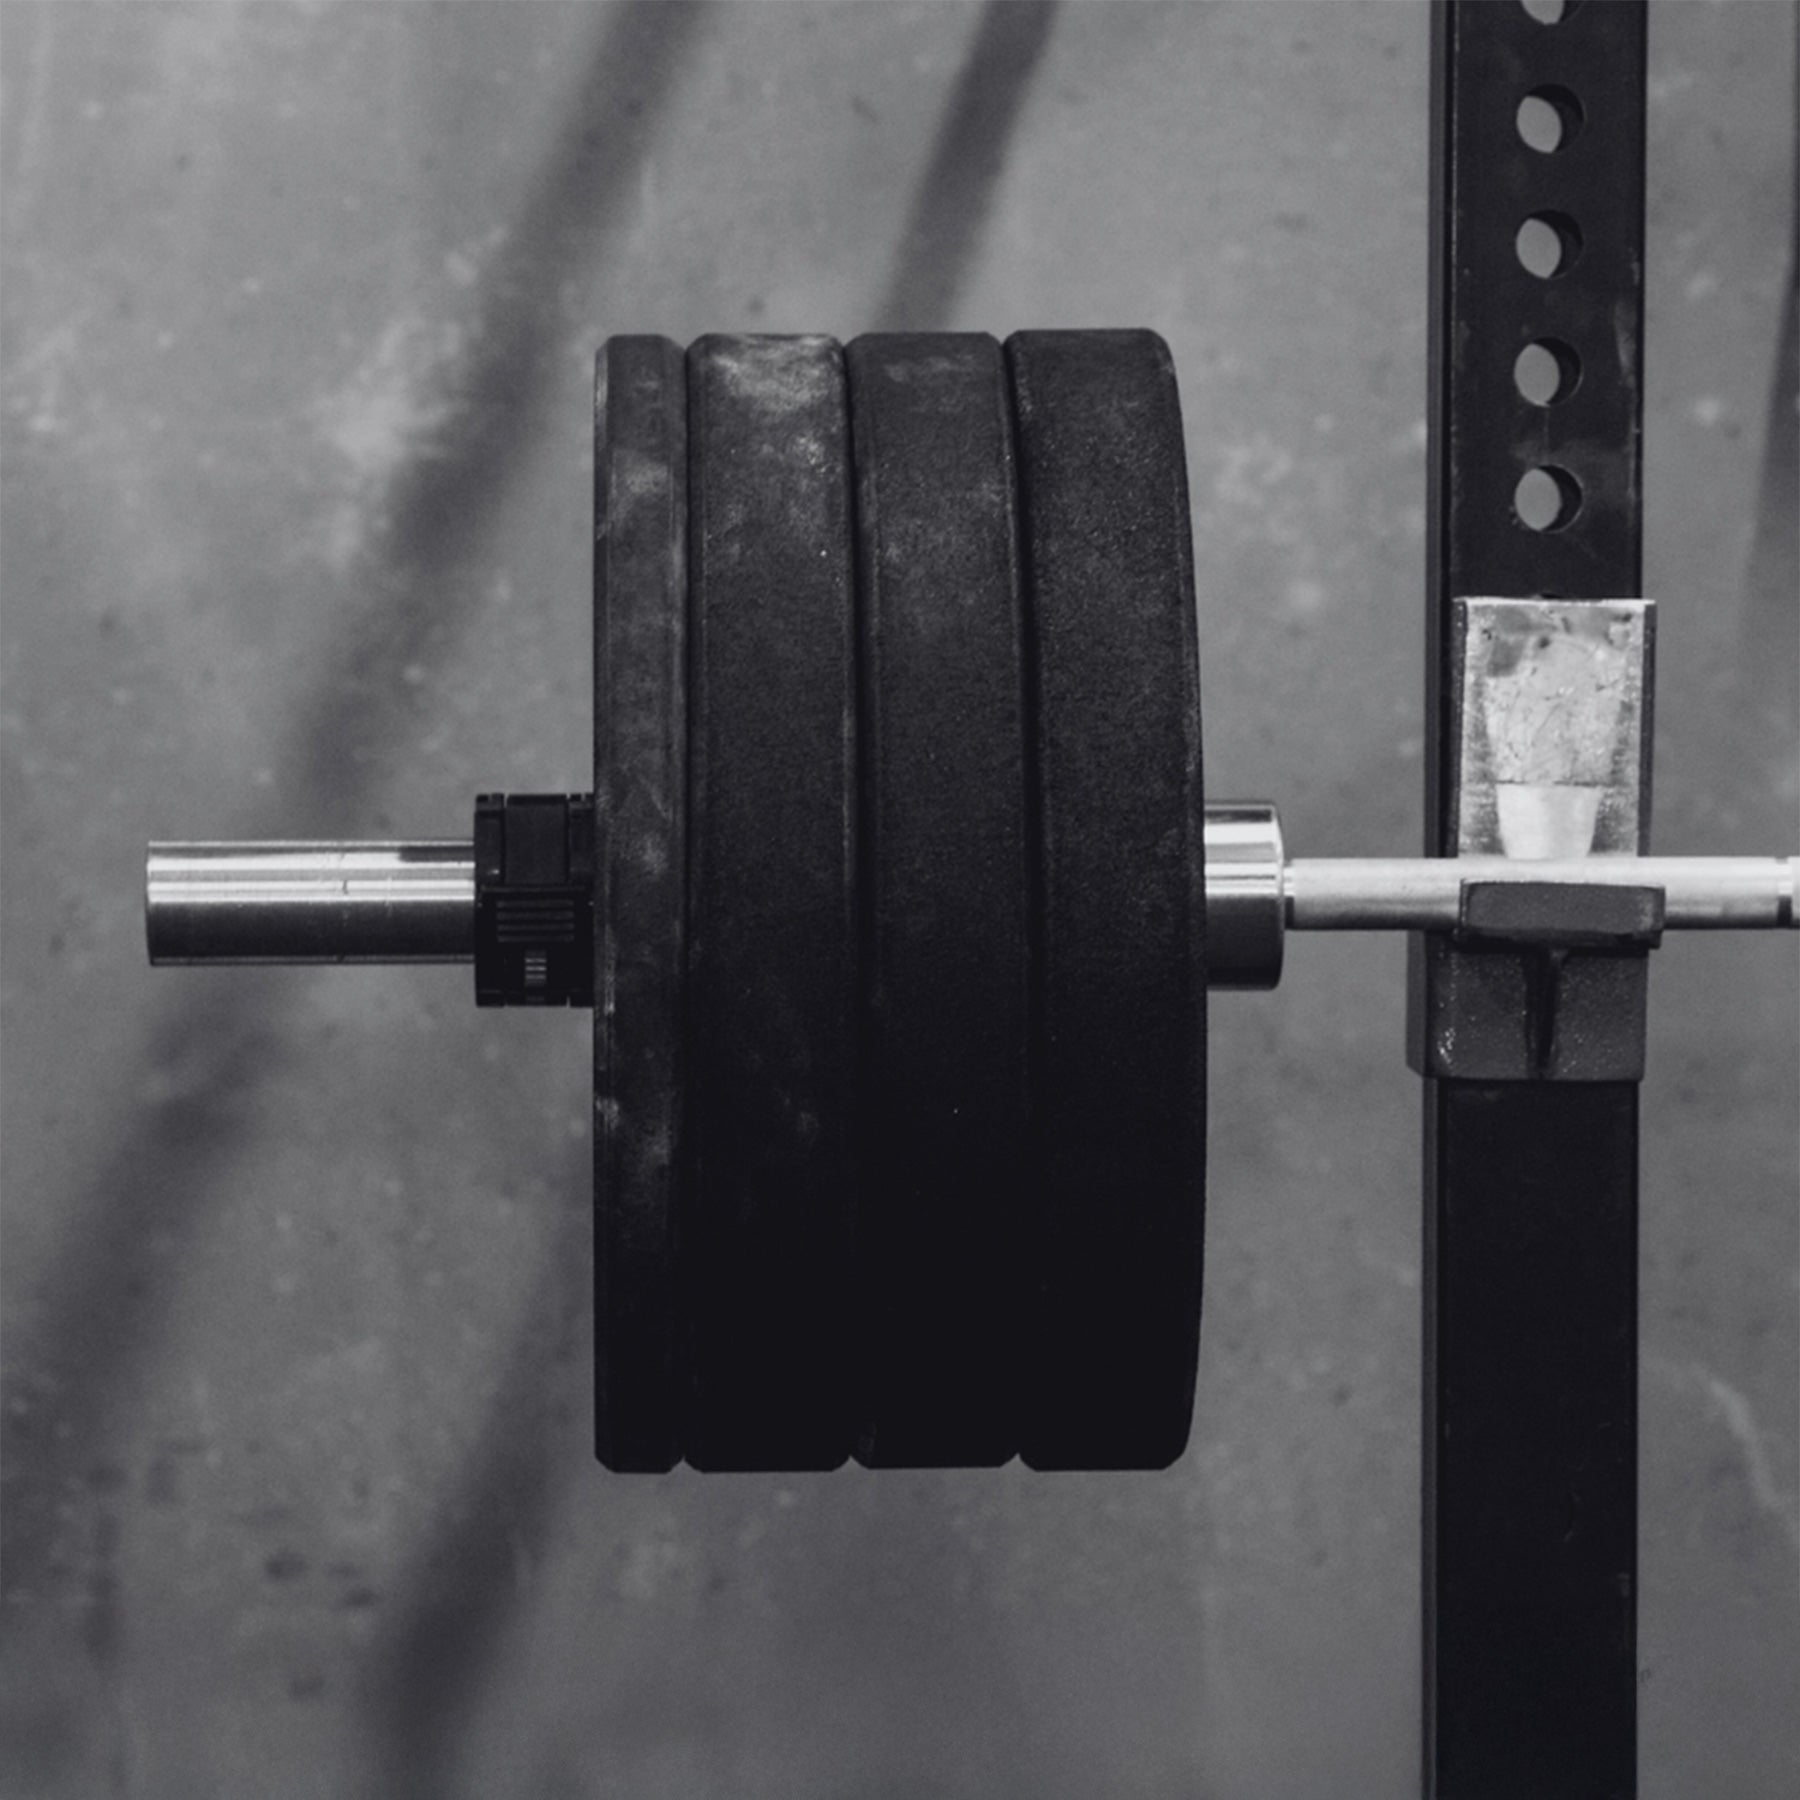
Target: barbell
<point x="897" y="901"/>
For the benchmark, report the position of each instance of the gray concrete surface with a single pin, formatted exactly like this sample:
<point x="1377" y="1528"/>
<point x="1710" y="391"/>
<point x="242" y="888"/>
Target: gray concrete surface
<point x="299" y="309"/>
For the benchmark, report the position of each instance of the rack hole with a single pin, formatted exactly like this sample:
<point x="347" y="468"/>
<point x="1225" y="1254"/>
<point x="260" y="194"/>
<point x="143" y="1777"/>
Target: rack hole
<point x="1549" y="12"/>
<point x="1546" y="371"/>
<point x="1548" y="119"/>
<point x="1546" y="499"/>
<point x="1548" y="244"/>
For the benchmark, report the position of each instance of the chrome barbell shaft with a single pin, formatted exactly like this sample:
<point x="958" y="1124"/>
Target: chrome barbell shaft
<point x="415" y="902"/>
<point x="1700" y="893"/>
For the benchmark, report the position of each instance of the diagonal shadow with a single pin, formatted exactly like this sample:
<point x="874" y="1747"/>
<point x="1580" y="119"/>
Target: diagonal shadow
<point x="951" y="204"/>
<point x="1771" y="635"/>
<point x="581" y="200"/>
<point x="431" y="1663"/>
<point x="435" y="1657"/>
<point x="218" y="1038"/>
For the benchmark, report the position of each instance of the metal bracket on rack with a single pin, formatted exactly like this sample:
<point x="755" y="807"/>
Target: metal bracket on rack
<point x="1549" y="716"/>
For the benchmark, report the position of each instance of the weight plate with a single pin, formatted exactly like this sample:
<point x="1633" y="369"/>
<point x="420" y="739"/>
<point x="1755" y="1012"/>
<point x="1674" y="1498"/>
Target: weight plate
<point x="772" y="972"/>
<point x="1112" y="1333"/>
<point x="640" y="781"/>
<point x="946" y="894"/>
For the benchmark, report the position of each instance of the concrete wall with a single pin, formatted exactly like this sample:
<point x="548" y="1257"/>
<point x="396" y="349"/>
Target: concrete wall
<point x="300" y="306"/>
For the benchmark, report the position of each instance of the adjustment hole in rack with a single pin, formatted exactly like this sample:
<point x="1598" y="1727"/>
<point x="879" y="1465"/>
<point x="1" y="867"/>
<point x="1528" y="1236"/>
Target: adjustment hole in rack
<point x="1548" y="244"/>
<point x="1549" y="12"/>
<point x="1548" y="119"/>
<point x="1546" y="499"/>
<point x="1545" y="371"/>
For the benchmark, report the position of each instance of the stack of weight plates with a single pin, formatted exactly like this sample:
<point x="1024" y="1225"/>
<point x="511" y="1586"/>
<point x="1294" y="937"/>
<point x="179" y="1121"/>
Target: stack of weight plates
<point x="899" y="1037"/>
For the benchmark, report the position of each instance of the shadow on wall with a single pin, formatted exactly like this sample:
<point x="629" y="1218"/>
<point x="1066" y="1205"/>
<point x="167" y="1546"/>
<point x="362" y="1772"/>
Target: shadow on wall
<point x="450" y="1621"/>
<point x="1771" y="636"/>
<point x="951" y="205"/>
<point x="104" y="1302"/>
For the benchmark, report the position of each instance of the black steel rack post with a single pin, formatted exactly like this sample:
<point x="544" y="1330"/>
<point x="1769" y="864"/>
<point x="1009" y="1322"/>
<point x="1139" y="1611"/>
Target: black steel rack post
<point x="1530" y="1282"/>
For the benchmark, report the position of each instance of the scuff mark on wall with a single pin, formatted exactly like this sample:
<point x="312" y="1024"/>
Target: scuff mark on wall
<point x="1731" y="1406"/>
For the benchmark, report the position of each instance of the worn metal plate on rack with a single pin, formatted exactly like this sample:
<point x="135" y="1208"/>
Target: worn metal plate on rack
<point x="1551" y="717"/>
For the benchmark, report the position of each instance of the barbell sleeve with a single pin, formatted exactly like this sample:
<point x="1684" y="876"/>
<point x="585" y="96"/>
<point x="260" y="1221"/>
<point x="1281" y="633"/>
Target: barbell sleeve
<point x="311" y="902"/>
